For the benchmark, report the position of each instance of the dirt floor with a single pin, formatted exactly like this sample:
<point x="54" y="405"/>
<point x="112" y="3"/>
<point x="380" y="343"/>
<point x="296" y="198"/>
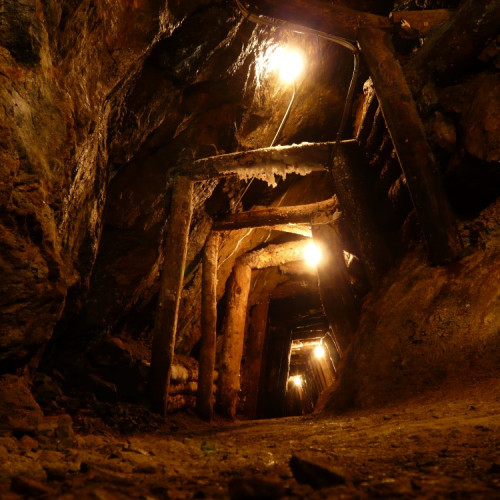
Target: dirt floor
<point x="445" y="444"/>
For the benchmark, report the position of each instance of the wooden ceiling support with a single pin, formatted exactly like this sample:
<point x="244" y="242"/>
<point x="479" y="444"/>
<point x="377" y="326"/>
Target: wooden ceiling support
<point x="373" y="34"/>
<point x="233" y="335"/>
<point x="280" y="160"/>
<point x="420" y="22"/>
<point x="172" y="276"/>
<point x="275" y="255"/>
<point x="205" y="396"/>
<point x="333" y="19"/>
<point x="321" y="212"/>
<point x="413" y="150"/>
<point x="233" y="330"/>
<point x="355" y="200"/>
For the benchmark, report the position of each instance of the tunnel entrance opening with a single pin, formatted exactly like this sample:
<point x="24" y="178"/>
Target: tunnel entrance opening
<point x="300" y="356"/>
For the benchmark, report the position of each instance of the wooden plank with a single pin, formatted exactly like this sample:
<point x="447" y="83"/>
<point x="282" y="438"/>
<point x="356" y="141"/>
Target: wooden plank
<point x="263" y="163"/>
<point x="275" y="255"/>
<point x="300" y="229"/>
<point x="320" y="212"/>
<point x="205" y="399"/>
<point x="171" y="281"/>
<point x="330" y="18"/>
<point x="421" y="21"/>
<point x="414" y="153"/>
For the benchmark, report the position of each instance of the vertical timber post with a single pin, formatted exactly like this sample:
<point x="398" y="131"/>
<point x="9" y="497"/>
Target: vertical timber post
<point x="204" y="401"/>
<point x="253" y="358"/>
<point x="234" y="332"/>
<point x="334" y="287"/>
<point x="357" y="206"/>
<point x="413" y="150"/>
<point x="172" y="276"/>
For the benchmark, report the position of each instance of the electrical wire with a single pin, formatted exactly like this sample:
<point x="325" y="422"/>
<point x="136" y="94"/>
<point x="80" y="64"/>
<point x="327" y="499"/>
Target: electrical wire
<point x="304" y="30"/>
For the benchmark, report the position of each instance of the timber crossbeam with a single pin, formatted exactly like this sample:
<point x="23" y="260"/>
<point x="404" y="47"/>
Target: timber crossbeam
<point x="322" y="212"/>
<point x="265" y="163"/>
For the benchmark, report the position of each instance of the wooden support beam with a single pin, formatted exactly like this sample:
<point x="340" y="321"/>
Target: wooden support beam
<point x="275" y="255"/>
<point x="336" y="294"/>
<point x="331" y="18"/>
<point x="356" y="202"/>
<point x="300" y="229"/>
<point x="171" y="281"/>
<point x="264" y="163"/>
<point x="205" y="399"/>
<point x="321" y="212"/>
<point x="414" y="153"/>
<point x="298" y="268"/>
<point x="234" y="322"/>
<point x="454" y="47"/>
<point x="421" y="21"/>
<point x="253" y="358"/>
<point x="233" y="331"/>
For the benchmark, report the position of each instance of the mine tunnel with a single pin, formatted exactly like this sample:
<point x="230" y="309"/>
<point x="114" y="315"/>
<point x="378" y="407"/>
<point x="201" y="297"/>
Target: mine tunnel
<point x="249" y="249"/>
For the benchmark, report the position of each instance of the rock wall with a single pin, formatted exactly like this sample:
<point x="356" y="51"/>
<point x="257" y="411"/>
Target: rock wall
<point x="428" y="326"/>
<point x="63" y="68"/>
<point x="99" y="99"/>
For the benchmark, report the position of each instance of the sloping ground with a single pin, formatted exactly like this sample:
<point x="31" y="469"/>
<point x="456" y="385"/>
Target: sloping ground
<point x="428" y="325"/>
<point x="443" y="445"/>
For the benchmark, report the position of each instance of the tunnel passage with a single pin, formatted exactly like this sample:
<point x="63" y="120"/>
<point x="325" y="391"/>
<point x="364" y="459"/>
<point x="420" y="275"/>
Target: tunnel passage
<point x="300" y="354"/>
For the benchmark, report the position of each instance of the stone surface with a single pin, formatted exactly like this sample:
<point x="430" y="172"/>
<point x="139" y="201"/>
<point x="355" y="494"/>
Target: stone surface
<point x="316" y="472"/>
<point x="427" y="326"/>
<point x="442" y="444"/>
<point x="63" y="69"/>
<point x="19" y="412"/>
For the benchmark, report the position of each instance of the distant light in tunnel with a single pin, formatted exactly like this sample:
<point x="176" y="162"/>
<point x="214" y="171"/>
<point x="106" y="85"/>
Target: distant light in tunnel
<point x="319" y="352"/>
<point x="312" y="254"/>
<point x="297" y="380"/>
<point x="288" y="61"/>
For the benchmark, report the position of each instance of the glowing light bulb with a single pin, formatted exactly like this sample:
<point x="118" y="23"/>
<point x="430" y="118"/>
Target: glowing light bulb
<point x="312" y="254"/>
<point x="319" y="351"/>
<point x="297" y="380"/>
<point x="289" y="62"/>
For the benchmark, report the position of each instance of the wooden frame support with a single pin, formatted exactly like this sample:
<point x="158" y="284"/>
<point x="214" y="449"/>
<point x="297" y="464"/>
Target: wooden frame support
<point x="334" y="19"/>
<point x="321" y="212"/>
<point x="264" y="163"/>
<point x="205" y="397"/>
<point x="235" y="320"/>
<point x="171" y="282"/>
<point x="233" y="332"/>
<point x="409" y="139"/>
<point x="355" y="200"/>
